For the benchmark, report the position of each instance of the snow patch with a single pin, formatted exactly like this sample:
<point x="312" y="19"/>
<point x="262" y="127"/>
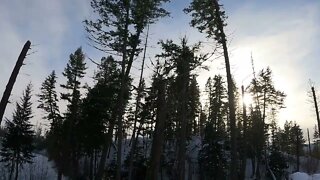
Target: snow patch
<point x="304" y="176"/>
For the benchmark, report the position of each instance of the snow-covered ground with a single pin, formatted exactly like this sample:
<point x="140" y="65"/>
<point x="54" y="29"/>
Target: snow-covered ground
<point x="40" y="169"/>
<point x="304" y="176"/>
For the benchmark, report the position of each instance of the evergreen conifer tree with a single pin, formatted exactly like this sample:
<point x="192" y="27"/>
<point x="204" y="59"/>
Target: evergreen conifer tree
<point x="17" y="145"/>
<point x="193" y="107"/>
<point x="118" y="28"/>
<point x="183" y="59"/>
<point x="74" y="72"/>
<point x="297" y="140"/>
<point x="209" y="17"/>
<point x="213" y="150"/>
<point x="48" y="100"/>
<point x="98" y="108"/>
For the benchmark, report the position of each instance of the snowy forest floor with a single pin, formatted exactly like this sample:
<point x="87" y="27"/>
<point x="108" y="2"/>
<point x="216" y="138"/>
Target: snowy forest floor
<point x="42" y="169"/>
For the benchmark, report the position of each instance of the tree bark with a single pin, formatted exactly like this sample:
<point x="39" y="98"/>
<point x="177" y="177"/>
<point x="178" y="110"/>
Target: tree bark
<point x="13" y="77"/>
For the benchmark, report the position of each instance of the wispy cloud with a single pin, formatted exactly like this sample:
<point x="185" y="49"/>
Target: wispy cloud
<point x="284" y="40"/>
<point x="282" y="35"/>
<point x="55" y="30"/>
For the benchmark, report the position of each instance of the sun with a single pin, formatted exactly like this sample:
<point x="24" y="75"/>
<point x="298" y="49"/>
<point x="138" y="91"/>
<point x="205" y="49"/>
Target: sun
<point x="247" y="99"/>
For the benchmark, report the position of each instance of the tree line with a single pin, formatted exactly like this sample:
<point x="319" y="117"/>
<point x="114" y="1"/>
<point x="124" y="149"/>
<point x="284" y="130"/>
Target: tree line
<point x="155" y="122"/>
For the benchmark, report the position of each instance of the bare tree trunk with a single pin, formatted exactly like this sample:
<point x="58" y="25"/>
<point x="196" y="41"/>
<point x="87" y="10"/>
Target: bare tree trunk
<point x="119" y="152"/>
<point x="189" y="169"/>
<point x="91" y="165"/>
<point x="258" y="174"/>
<point x="158" y="137"/>
<point x="316" y="106"/>
<point x="298" y="149"/>
<point x="108" y="141"/>
<point x="11" y="170"/>
<point x="309" y="145"/>
<point x="244" y="155"/>
<point x="232" y="114"/>
<point x="13" y="77"/>
<point x="95" y="163"/>
<point x="140" y="90"/>
<point x="125" y="74"/>
<point x="201" y="123"/>
<point x="253" y="166"/>
<point x="17" y="171"/>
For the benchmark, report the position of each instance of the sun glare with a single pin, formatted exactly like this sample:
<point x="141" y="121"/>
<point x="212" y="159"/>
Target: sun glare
<point x="247" y="99"/>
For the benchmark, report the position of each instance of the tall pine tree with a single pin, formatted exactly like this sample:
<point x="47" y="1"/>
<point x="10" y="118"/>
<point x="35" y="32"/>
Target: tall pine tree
<point x="48" y="100"/>
<point x="118" y="29"/>
<point x="98" y="108"/>
<point x="17" y="145"/>
<point x="182" y="59"/>
<point x="74" y="72"/>
<point x="209" y="17"/>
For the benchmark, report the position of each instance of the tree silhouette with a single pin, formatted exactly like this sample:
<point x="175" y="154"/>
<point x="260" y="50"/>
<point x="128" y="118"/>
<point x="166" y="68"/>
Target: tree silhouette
<point x="74" y="71"/>
<point x="17" y="145"/>
<point x="207" y="16"/>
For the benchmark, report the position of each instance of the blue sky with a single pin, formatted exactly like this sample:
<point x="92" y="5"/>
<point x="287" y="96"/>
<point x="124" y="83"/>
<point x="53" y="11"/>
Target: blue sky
<point x="281" y="34"/>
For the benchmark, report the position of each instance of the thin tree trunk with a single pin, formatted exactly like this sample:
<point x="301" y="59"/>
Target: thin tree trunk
<point x="12" y="79"/>
<point x="95" y="163"/>
<point x="258" y="174"/>
<point x="140" y="90"/>
<point x="316" y="106"/>
<point x="253" y="166"/>
<point x="124" y="88"/>
<point x="91" y="165"/>
<point x="106" y="147"/>
<point x="120" y="137"/>
<point x="11" y="170"/>
<point x="309" y="145"/>
<point x="118" y="112"/>
<point x="298" y="149"/>
<point x="59" y="175"/>
<point x="201" y="123"/>
<point x="232" y="114"/>
<point x="17" y="171"/>
<point x="189" y="169"/>
<point x="158" y="137"/>
<point x="244" y="155"/>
